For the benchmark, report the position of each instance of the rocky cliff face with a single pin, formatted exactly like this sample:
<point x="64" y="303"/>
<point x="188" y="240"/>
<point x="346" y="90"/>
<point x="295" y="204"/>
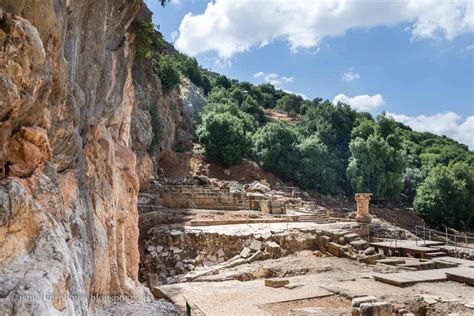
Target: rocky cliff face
<point x="74" y="138"/>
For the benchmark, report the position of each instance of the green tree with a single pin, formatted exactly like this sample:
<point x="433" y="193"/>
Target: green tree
<point x="218" y="94"/>
<point x="224" y="138"/>
<point x="167" y="70"/>
<point x="249" y="105"/>
<point x="290" y="103"/>
<point x="228" y="106"/>
<point x="268" y="100"/>
<point x="206" y="85"/>
<point x="446" y="196"/>
<point x="364" y="128"/>
<point x="375" y="167"/>
<point x="191" y="70"/>
<point x="238" y="95"/>
<point x="333" y="124"/>
<point x="275" y="149"/>
<point x="315" y="170"/>
<point x="223" y="81"/>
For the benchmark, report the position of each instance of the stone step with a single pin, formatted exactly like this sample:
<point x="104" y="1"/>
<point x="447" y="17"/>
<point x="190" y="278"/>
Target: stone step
<point x="436" y="254"/>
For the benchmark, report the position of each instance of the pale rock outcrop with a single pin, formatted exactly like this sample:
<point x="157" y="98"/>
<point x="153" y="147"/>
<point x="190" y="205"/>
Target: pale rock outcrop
<point x="69" y="140"/>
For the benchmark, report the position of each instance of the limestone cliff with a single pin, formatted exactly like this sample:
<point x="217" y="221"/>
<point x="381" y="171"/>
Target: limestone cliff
<point x="74" y="140"/>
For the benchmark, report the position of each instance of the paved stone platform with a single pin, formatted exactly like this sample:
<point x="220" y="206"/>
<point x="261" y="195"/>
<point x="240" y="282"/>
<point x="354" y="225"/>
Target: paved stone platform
<point x="407" y="278"/>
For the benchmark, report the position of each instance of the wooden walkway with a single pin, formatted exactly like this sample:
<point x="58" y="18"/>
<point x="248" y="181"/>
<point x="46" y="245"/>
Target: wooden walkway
<point x="404" y="247"/>
<point x="407" y="278"/>
<point x="462" y="276"/>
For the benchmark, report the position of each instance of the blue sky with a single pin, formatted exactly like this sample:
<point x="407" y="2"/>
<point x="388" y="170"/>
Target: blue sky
<point x="416" y="64"/>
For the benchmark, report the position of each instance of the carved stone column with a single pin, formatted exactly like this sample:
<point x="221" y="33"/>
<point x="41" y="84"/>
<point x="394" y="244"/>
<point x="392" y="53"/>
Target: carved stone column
<point x="362" y="200"/>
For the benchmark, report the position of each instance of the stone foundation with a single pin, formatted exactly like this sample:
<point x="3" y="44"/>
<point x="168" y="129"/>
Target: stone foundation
<point x="172" y="254"/>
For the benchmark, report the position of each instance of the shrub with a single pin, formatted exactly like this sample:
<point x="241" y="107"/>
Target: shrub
<point x="290" y="103"/>
<point x="168" y="71"/>
<point x="192" y="71"/>
<point x="206" y="85"/>
<point x="223" y="82"/>
<point x="147" y="39"/>
<point x="250" y="106"/>
<point x="224" y="138"/>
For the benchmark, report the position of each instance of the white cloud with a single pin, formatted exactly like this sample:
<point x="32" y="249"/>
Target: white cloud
<point x="233" y="26"/>
<point x="350" y="76"/>
<point x="223" y="63"/>
<point x="449" y="124"/>
<point x="174" y="35"/>
<point x="296" y="93"/>
<point x="362" y="103"/>
<point x="176" y="2"/>
<point x="470" y="47"/>
<point x="273" y="78"/>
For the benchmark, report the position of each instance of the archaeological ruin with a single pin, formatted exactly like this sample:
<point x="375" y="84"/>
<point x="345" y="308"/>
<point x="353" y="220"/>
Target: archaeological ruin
<point x="136" y="181"/>
<point x="199" y="237"/>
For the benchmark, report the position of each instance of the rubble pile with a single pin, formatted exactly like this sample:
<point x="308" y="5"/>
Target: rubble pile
<point x="463" y="253"/>
<point x="174" y="253"/>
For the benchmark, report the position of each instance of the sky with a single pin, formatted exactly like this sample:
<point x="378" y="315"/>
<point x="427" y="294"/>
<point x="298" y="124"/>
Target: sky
<point x="413" y="59"/>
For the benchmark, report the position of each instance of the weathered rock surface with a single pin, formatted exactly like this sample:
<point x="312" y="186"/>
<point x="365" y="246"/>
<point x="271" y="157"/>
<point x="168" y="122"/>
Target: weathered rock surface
<point x="74" y="140"/>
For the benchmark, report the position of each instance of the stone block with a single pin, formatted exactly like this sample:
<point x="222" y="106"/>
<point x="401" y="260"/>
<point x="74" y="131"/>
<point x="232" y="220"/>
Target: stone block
<point x="212" y="258"/>
<point x="273" y="249"/>
<point x="376" y="309"/>
<point x="276" y="207"/>
<point x="157" y="293"/>
<point x="220" y="253"/>
<point x="265" y="207"/>
<point x="276" y="282"/>
<point x="335" y="234"/>
<point x="351" y="237"/>
<point x="208" y="263"/>
<point x="371" y="259"/>
<point x="246" y="252"/>
<point x="324" y="241"/>
<point x="336" y="249"/>
<point x="256" y="245"/>
<point x="359" y="244"/>
<point x="369" y="251"/>
<point x="356" y="302"/>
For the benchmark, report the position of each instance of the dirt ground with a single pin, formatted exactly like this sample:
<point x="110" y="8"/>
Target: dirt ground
<point x="189" y="164"/>
<point x="274" y="115"/>
<point x="319" y="282"/>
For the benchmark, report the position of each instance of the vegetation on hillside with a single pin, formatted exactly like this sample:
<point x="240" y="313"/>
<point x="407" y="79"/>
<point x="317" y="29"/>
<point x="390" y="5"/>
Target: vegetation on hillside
<point x="334" y="148"/>
<point x="331" y="148"/>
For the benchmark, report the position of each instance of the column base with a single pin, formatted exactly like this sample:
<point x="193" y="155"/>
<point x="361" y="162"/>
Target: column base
<point x="366" y="219"/>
